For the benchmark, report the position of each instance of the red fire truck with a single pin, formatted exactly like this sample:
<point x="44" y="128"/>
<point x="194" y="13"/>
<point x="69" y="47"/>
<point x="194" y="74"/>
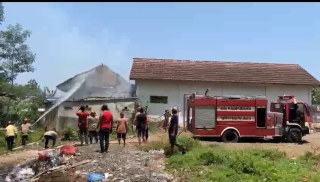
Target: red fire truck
<point x="232" y="117"/>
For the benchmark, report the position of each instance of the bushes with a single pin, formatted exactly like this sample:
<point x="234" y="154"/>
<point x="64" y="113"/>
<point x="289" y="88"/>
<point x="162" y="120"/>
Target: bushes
<point x="219" y="164"/>
<point x="69" y="133"/>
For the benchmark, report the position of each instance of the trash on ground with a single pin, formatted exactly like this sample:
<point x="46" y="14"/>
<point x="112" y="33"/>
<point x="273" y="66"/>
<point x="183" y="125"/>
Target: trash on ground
<point x="95" y="177"/>
<point x="68" y="150"/>
<point x="19" y="174"/>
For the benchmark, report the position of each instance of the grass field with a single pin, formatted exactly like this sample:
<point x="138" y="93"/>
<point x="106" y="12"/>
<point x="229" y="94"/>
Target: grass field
<point x="215" y="163"/>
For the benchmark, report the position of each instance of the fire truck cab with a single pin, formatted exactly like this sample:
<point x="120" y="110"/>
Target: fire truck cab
<point x="232" y="117"/>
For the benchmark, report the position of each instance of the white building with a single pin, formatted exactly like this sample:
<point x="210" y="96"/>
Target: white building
<point x="163" y="82"/>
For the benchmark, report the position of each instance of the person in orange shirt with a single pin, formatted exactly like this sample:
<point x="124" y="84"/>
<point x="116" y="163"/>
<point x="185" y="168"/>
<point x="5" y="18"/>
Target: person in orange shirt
<point x="83" y="124"/>
<point x="122" y="128"/>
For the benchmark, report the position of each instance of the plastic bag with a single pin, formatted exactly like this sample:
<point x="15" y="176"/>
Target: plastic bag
<point x="68" y="150"/>
<point x="94" y="177"/>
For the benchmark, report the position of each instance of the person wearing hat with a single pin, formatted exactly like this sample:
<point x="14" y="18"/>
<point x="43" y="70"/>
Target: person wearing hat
<point x="122" y="128"/>
<point x="25" y="128"/>
<point x="11" y="133"/>
<point x="93" y="123"/>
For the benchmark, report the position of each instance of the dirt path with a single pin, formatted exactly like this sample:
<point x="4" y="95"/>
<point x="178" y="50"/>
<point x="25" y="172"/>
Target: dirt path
<point x="311" y="143"/>
<point x="31" y="151"/>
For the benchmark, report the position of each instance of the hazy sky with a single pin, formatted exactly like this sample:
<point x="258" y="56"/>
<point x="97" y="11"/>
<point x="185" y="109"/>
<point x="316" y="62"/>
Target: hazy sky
<point x="70" y="38"/>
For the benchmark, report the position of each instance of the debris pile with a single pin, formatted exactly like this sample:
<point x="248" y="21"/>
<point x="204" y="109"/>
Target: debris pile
<point x="120" y="164"/>
<point x="19" y="174"/>
<point x="123" y="165"/>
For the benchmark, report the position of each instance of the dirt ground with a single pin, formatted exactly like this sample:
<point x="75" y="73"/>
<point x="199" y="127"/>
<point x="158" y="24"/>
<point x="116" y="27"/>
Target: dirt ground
<point x="310" y="143"/>
<point x="128" y="164"/>
<point x="31" y="151"/>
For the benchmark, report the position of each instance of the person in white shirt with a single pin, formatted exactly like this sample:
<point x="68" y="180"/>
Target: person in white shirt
<point x="25" y="128"/>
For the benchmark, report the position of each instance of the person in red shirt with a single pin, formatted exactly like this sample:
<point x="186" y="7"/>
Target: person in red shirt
<point x="83" y="124"/>
<point x="105" y="124"/>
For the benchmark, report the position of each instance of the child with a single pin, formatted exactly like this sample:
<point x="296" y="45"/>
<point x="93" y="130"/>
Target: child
<point x="122" y="128"/>
<point x="11" y="133"/>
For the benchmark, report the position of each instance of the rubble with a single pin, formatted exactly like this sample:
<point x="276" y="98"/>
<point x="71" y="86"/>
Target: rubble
<point x="19" y="174"/>
<point x="119" y="164"/>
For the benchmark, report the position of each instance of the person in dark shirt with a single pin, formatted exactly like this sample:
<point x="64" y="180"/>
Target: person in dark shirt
<point x="173" y="129"/>
<point x="141" y="124"/>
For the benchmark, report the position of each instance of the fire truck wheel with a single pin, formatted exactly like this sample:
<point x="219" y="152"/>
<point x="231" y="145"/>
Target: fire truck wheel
<point x="294" y="135"/>
<point x="230" y="136"/>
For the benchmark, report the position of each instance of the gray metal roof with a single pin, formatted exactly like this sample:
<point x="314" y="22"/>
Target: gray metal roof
<point x="100" y="81"/>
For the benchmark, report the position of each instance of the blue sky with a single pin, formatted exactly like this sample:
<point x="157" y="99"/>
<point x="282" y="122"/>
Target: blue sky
<point x="70" y="38"/>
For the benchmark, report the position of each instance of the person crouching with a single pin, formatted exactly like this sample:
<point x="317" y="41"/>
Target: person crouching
<point x="50" y="135"/>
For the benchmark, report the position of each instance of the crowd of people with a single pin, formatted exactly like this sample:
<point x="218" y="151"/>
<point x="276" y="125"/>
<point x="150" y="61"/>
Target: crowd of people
<point x="93" y="128"/>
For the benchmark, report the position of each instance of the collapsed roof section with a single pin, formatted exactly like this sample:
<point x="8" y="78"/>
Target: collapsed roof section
<point x="100" y="82"/>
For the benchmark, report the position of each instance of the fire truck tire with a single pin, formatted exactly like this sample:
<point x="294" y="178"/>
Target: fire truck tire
<point x="230" y="136"/>
<point x="294" y="135"/>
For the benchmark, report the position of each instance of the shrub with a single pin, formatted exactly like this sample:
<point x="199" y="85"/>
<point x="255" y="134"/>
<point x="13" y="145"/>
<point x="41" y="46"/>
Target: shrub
<point x="219" y="164"/>
<point x="69" y="133"/>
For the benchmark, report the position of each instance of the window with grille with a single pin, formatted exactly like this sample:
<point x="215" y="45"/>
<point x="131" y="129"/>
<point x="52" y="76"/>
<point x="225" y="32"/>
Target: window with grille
<point x="159" y="99"/>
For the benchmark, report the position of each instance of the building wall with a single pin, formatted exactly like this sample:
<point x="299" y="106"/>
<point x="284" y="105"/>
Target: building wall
<point x="65" y="113"/>
<point x="176" y="89"/>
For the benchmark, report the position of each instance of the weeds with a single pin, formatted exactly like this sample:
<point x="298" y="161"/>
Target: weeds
<point x="69" y="134"/>
<point x="218" y="164"/>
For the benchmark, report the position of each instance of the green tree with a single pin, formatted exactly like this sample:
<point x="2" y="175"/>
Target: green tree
<point x="16" y="56"/>
<point x="315" y="95"/>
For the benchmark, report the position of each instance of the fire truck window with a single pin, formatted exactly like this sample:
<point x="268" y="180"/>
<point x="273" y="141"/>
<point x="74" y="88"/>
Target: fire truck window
<point x="277" y="106"/>
<point x="261" y="117"/>
<point x="300" y="108"/>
